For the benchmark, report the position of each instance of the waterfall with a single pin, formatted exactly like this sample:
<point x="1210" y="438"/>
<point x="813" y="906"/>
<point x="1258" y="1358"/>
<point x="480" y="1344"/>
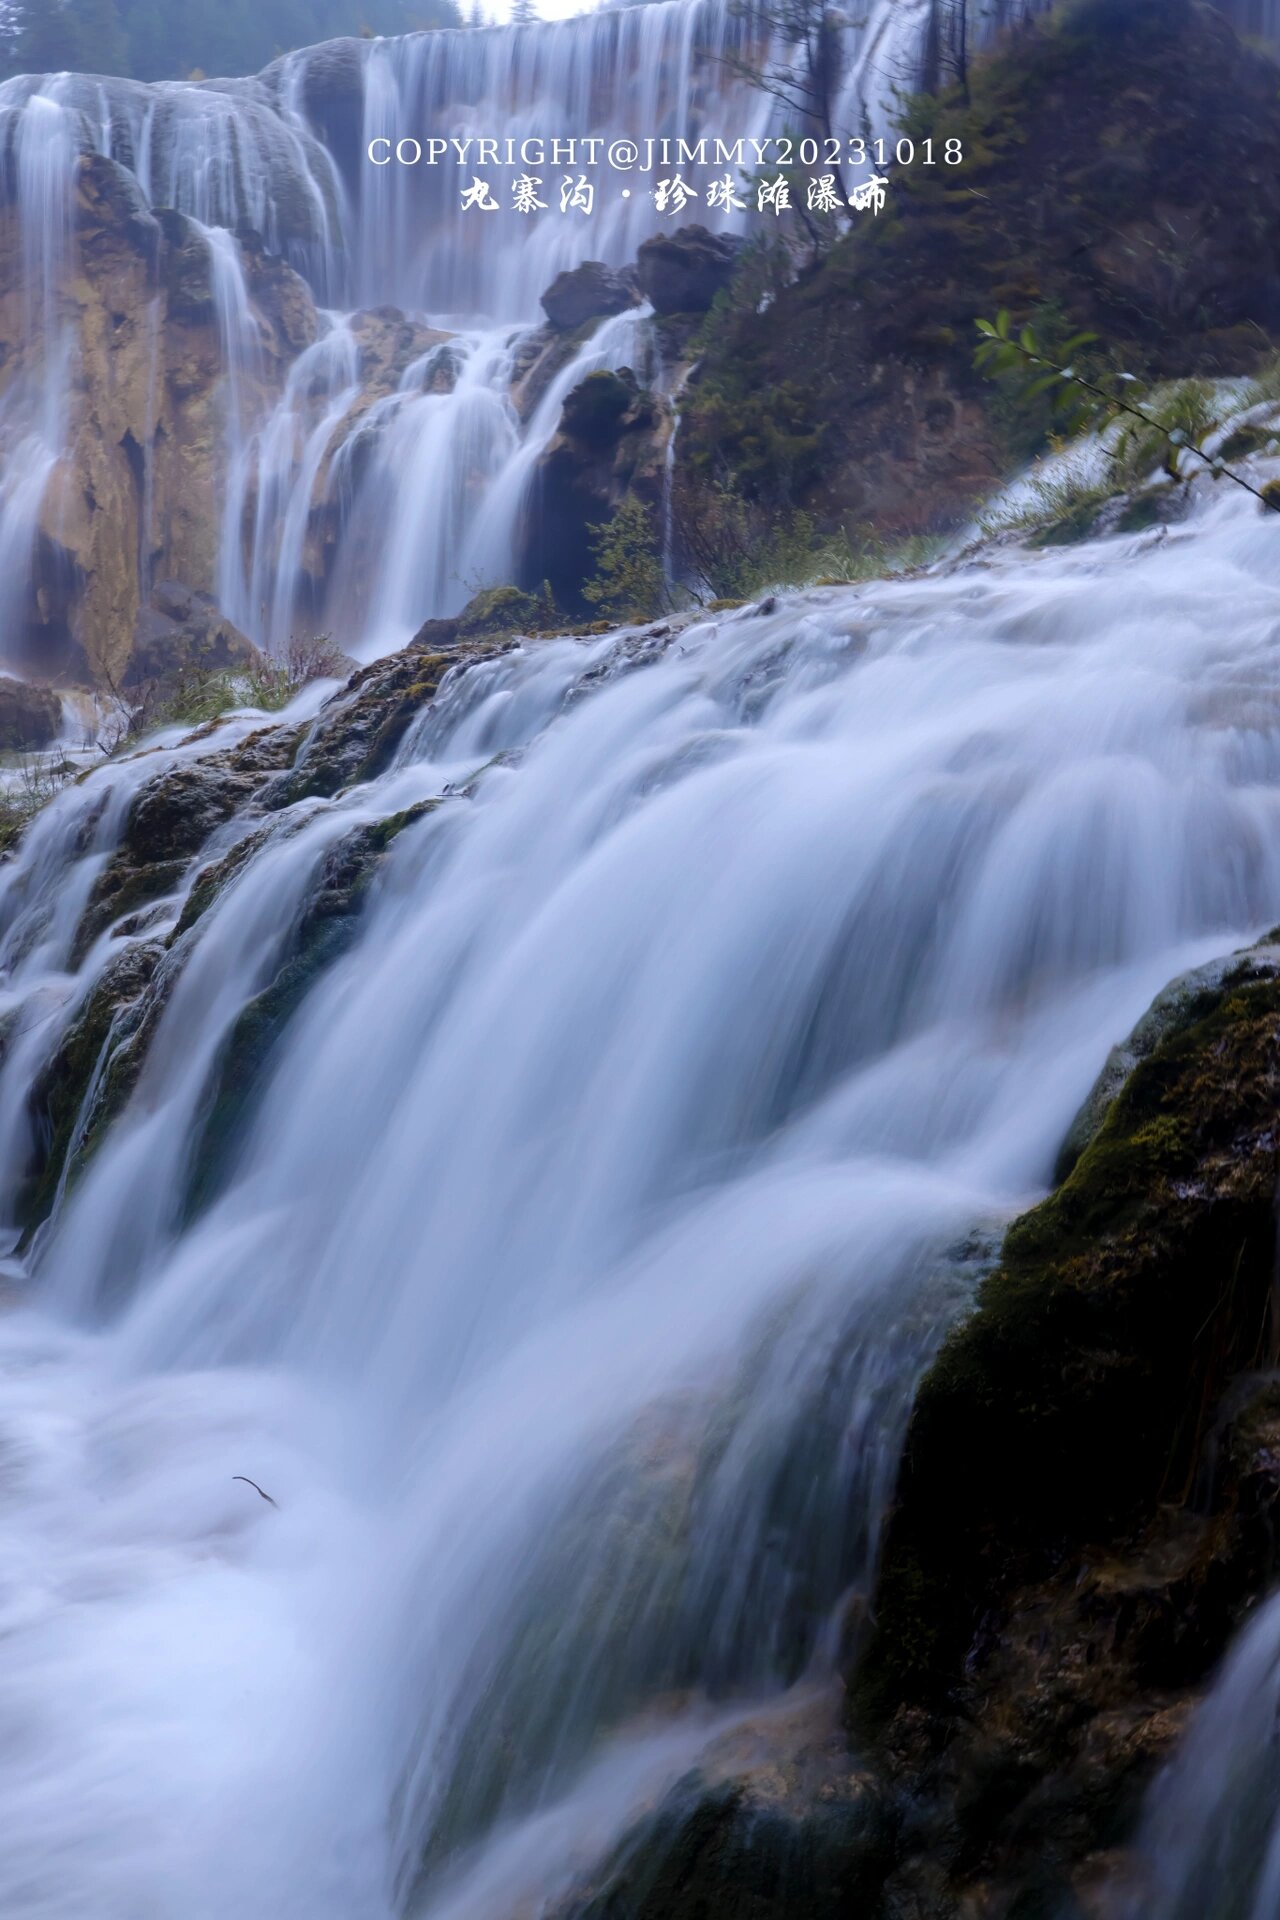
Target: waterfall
<point x="285" y="154"/>
<point x="1210" y="1844"/>
<point x="566" y="1281"/>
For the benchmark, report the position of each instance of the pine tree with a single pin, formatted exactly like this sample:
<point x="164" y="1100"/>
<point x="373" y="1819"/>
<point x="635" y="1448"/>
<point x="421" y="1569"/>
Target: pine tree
<point x="523" y="13"/>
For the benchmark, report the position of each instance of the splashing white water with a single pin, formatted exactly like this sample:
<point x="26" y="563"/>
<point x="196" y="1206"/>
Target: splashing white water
<point x="568" y="1284"/>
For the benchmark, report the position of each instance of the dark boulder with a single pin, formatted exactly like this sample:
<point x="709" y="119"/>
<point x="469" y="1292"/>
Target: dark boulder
<point x="589" y="292"/>
<point x="181" y="633"/>
<point x="30" y="717"/>
<point x="682" y="272"/>
<point x="611" y="442"/>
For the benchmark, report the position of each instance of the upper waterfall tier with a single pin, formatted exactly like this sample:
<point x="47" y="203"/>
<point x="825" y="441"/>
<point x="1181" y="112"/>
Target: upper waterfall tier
<point x="286" y="152"/>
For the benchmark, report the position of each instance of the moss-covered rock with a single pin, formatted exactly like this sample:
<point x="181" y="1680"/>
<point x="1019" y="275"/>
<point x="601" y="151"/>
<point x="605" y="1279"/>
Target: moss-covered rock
<point x="1079" y="1395"/>
<point x="61" y="1096"/>
<point x="1090" y="1487"/>
<point x="1179" y="1005"/>
<point x="358" y="732"/>
<point x="776" y="1823"/>
<point x="325" y="930"/>
<point x="170" y="821"/>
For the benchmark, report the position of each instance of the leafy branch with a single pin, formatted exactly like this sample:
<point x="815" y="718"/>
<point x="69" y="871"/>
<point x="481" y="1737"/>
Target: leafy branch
<point x="1082" y="401"/>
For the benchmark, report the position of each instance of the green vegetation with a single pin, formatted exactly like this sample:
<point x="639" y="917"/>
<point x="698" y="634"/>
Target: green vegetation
<point x="28" y="781"/>
<point x="1187" y="413"/>
<point x="198" y="695"/>
<point x="845" y="387"/>
<point x="169" y="39"/>
<point x="629" y="582"/>
<point x="1081" y="1393"/>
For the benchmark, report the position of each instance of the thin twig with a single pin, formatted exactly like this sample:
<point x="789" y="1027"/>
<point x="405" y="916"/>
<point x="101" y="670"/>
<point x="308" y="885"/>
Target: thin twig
<point x="257" y="1489"/>
<point x="1214" y="463"/>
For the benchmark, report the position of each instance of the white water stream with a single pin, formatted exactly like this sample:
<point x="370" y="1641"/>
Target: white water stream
<point x="426" y="486"/>
<point x="568" y="1288"/>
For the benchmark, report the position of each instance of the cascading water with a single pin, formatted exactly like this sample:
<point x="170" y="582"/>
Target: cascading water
<point x="286" y="154"/>
<point x="567" y="1283"/>
<point x="1210" y="1848"/>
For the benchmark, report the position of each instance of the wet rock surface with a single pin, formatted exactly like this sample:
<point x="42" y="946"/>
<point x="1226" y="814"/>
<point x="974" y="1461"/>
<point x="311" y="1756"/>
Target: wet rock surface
<point x="182" y="632"/>
<point x="589" y="292"/>
<point x="682" y="272"/>
<point x="1090" y="1488"/>
<point x="30" y="716"/>
<point x="612" y="441"/>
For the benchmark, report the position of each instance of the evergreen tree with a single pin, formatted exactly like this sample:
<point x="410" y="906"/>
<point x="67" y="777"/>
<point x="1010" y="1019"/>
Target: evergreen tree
<point x="523" y="13"/>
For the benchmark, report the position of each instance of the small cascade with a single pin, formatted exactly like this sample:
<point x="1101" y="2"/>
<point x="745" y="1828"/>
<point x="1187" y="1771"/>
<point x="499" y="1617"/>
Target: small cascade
<point x="633" y="73"/>
<point x="323" y="386"/>
<point x="240" y="336"/>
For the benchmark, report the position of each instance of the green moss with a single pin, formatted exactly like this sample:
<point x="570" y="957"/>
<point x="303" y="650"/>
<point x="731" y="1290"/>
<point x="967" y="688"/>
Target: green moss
<point x="502" y="611"/>
<point x="59" y="1095"/>
<point x="1247" y="440"/>
<point x="1078" y="1396"/>
<point x="122" y="889"/>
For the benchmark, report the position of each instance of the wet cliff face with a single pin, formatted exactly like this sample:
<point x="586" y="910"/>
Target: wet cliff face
<point x="145" y="427"/>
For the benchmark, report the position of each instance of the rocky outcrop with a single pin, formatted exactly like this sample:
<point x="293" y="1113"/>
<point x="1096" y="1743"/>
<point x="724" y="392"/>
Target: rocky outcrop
<point x="1091" y="1481"/>
<point x="589" y="292"/>
<point x="30" y="717"/>
<point x="612" y="441"/>
<point x="777" y="1822"/>
<point x="69" y="1102"/>
<point x="180" y="633"/>
<point x="682" y="272"/>
<point x="140" y="491"/>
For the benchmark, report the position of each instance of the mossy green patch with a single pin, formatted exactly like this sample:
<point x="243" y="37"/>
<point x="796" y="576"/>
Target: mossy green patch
<point x="1078" y="1396"/>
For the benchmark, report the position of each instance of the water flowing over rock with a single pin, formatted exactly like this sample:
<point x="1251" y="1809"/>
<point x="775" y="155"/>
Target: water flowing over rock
<point x="229" y="331"/>
<point x="174" y="405"/>
<point x="537" y="1114"/>
<point x="548" y="1368"/>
